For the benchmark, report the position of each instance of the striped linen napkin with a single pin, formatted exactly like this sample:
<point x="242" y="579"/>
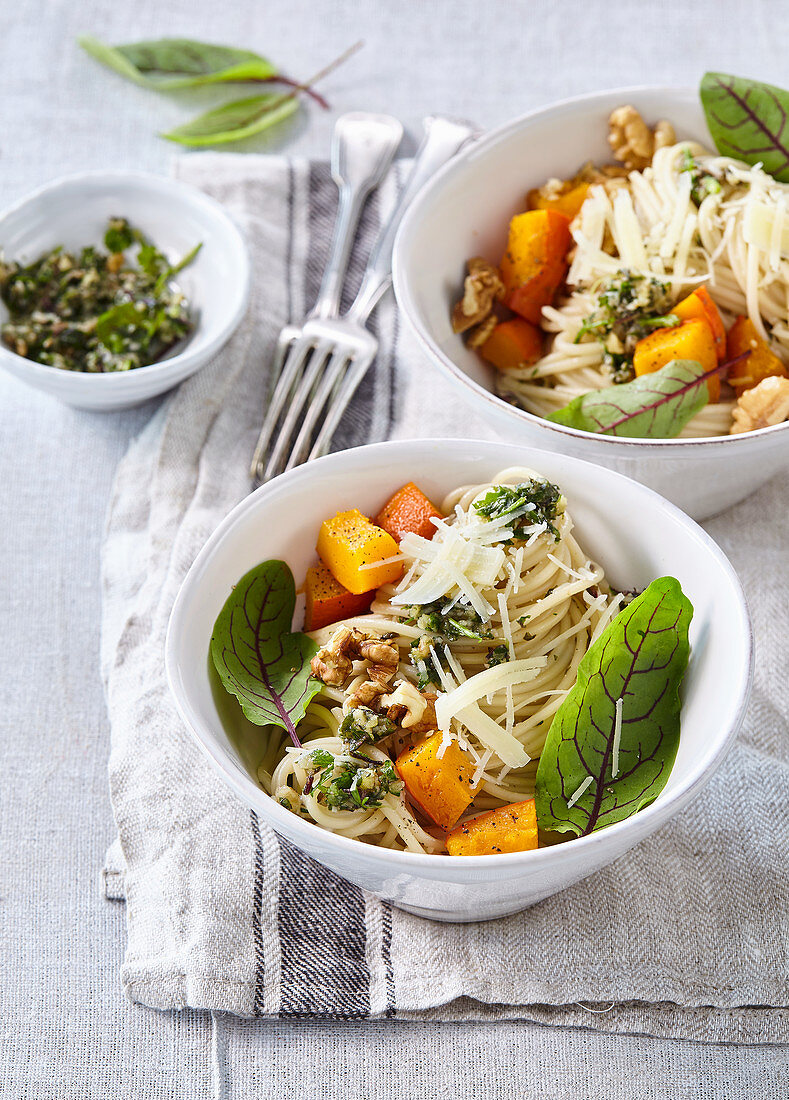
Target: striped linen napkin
<point x="685" y="936"/>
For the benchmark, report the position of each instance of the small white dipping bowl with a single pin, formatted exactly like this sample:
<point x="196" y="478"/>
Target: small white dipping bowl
<point x="636" y="536"/>
<point x="73" y="212"/>
<point x="465" y="211"/>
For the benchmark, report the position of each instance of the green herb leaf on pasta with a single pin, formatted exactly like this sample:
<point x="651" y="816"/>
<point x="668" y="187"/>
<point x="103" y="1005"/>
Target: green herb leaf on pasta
<point x="167" y="64"/>
<point x="240" y="119"/>
<point x="599" y="767"/>
<point x="748" y="120"/>
<point x="258" y="658"/>
<point x="652" y="406"/>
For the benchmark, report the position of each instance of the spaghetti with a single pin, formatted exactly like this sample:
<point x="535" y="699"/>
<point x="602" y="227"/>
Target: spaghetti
<point x="733" y="238"/>
<point x="525" y="602"/>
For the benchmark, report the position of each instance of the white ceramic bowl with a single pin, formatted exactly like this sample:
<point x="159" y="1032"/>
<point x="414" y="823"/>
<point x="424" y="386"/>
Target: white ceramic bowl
<point x="73" y="212"/>
<point x="465" y="211"/>
<point x="636" y="536"/>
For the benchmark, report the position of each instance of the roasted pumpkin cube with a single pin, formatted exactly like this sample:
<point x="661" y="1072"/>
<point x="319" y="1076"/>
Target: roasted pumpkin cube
<point x="567" y="199"/>
<point x="508" y="829"/>
<point x="513" y="345"/>
<point x="535" y="263"/>
<point x="408" y="511"/>
<point x="352" y="547"/>
<point x="441" y="786"/>
<point x="328" y="602"/>
<point x="761" y="363"/>
<point x="690" y="340"/>
<point x="699" y="306"/>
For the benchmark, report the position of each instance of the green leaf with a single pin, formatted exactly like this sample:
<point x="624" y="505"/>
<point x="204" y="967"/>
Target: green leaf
<point x="240" y="119"/>
<point x="639" y="658"/>
<point x="257" y="657"/>
<point x="116" y="318"/>
<point x="167" y="274"/>
<point x="652" y="406"/>
<point x="167" y="64"/>
<point x="748" y="120"/>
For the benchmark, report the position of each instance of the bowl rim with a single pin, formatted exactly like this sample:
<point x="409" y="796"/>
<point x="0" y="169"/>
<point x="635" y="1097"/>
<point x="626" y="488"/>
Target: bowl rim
<point x="245" y="787"/>
<point x="405" y="299"/>
<point x="230" y="236"/>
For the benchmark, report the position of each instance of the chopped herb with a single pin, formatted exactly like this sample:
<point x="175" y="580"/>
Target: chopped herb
<point x="701" y="183"/>
<point x="536" y="501"/>
<point x="321" y="758"/>
<point x="497" y="656"/>
<point x="362" y="725"/>
<point x="448" y="621"/>
<point x="92" y="311"/>
<point x="346" y="785"/>
<point x="421" y="659"/>
<point x="629" y="307"/>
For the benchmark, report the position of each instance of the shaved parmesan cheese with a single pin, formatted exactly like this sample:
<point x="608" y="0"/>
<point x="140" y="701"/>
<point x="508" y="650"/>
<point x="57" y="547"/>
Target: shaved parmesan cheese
<point x="462" y="704"/>
<point x="455" y="665"/>
<point x="447" y="683"/>
<point x="671" y="236"/>
<point x="765" y="227"/>
<point x="586" y="783"/>
<point x="455" y="558"/>
<point x="627" y="233"/>
<point x="617" y="738"/>
<point x="506" y="625"/>
<point x="490" y="733"/>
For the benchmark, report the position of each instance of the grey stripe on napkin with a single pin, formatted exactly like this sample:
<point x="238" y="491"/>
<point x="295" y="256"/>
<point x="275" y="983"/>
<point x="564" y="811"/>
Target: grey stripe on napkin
<point x="685" y="936"/>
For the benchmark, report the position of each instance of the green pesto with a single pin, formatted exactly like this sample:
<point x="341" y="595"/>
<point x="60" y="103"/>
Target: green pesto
<point x="363" y="725"/>
<point x="94" y="311"/>
<point x="347" y="785"/>
<point x="532" y="502"/>
<point x="701" y="183"/>
<point x="497" y="656"/>
<point x="629" y="307"/>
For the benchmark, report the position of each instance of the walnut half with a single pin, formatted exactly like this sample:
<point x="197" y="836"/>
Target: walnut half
<point x="632" y="141"/>
<point x="761" y="406"/>
<point x="483" y="287"/>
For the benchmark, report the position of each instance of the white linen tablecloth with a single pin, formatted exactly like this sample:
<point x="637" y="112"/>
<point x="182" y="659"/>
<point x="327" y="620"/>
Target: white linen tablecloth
<point x="685" y="936"/>
<point x="68" y="1030"/>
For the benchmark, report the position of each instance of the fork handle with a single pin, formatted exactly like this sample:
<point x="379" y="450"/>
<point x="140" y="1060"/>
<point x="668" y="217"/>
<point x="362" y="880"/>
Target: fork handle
<point x="443" y="137"/>
<point x="362" y="149"/>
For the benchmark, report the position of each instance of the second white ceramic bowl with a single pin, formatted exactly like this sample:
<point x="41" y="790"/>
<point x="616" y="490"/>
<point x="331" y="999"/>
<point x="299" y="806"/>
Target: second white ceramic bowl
<point x="465" y="211"/>
<point x="636" y="536"/>
<point x="73" y="212"/>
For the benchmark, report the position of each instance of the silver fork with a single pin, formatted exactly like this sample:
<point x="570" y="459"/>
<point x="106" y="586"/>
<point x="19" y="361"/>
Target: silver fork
<point x="363" y="146"/>
<point x="334" y="354"/>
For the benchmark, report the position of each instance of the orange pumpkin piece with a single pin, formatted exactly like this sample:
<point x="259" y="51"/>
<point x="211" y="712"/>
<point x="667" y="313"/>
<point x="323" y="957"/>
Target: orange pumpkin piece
<point x="440" y="786"/>
<point x="535" y="263"/>
<point x="513" y="345"/>
<point x="351" y="546"/>
<point x="328" y="602"/>
<point x="408" y="511"/>
<point x="760" y="364"/>
<point x="690" y="340"/>
<point x="508" y="829"/>
<point x="568" y="199"/>
<point x="700" y="306"/>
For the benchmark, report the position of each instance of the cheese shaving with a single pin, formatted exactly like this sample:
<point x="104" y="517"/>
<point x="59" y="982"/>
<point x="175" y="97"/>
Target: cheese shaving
<point x="617" y="738"/>
<point x="581" y="790"/>
<point x="462" y="704"/>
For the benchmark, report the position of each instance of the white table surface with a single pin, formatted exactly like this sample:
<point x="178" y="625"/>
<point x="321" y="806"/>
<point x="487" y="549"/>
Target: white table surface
<point x="66" y="1029"/>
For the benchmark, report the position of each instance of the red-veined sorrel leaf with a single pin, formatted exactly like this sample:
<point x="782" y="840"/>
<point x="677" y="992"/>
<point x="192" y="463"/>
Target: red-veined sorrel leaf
<point x="167" y="64"/>
<point x="652" y="406"/>
<point x="258" y="658"/>
<point x="240" y="119"/>
<point x="748" y="120"/>
<point x="596" y="768"/>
